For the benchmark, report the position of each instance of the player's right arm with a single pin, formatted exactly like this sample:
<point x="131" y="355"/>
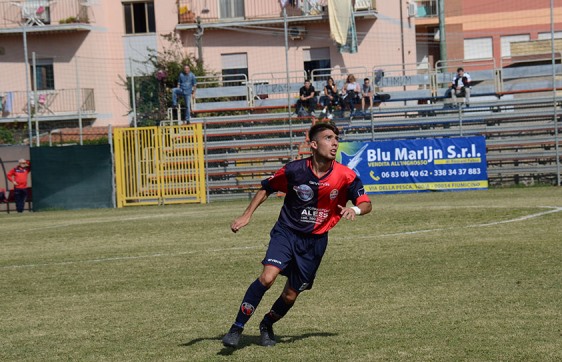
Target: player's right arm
<point x="244" y="219"/>
<point x="11" y="176"/>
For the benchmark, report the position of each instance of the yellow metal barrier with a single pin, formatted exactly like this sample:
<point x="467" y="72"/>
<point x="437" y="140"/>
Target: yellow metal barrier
<point x="159" y="165"/>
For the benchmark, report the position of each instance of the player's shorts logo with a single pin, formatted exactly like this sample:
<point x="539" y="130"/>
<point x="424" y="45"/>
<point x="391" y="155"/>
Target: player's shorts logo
<point x="247" y="309"/>
<point x="333" y="194"/>
<point x="304" y="192"/>
<point x="303" y="287"/>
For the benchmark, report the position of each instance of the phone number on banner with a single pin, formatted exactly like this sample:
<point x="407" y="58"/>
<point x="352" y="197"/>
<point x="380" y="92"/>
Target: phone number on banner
<point x="426" y="173"/>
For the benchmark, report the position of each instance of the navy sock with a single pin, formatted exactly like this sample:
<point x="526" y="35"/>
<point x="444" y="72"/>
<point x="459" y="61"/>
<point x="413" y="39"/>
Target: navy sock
<point x="252" y="298"/>
<point x="278" y="311"/>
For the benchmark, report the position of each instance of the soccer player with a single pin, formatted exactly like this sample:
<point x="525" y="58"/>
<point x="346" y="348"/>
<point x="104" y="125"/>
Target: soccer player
<point x="317" y="190"/>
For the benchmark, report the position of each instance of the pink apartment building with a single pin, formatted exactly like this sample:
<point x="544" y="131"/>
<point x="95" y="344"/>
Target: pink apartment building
<point x="81" y="51"/>
<point x="480" y="30"/>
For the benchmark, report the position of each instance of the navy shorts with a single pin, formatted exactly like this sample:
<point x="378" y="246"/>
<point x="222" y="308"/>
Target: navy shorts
<point x="298" y="255"/>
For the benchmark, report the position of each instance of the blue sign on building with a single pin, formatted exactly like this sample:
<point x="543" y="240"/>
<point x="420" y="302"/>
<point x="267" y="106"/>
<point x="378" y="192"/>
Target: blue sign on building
<point x="442" y="164"/>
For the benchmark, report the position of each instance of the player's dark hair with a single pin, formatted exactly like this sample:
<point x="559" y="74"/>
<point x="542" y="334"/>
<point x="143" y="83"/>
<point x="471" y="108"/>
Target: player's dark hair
<point x="321" y="126"/>
<point x="459" y="69"/>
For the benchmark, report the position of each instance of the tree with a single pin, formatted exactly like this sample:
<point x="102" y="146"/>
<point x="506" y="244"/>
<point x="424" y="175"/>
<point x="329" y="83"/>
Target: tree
<point x="153" y="90"/>
<point x="6" y="136"/>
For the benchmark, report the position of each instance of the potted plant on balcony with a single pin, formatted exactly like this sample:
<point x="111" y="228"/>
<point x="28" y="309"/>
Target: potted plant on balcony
<point x="186" y="15"/>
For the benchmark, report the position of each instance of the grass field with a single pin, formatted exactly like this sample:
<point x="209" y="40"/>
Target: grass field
<point x="472" y="276"/>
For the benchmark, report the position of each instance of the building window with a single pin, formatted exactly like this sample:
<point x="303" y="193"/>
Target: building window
<point x="234" y="69"/>
<point x="139" y="17"/>
<point x="546" y="36"/>
<point x="478" y="48"/>
<point x="507" y="40"/>
<point x="44" y="75"/>
<point x="317" y="63"/>
<point x="231" y="9"/>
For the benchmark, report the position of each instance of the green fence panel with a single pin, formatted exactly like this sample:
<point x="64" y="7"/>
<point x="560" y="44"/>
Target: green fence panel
<point x="73" y="177"/>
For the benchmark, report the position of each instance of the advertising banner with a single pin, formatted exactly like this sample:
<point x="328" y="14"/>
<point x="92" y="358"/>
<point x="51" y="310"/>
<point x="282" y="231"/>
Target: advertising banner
<point x="443" y="164"/>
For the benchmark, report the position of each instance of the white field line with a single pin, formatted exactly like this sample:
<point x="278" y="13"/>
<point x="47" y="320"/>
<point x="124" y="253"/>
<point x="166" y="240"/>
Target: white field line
<point x="522" y="218"/>
<point x="553" y="209"/>
<point x="121" y="258"/>
<point x="110" y="219"/>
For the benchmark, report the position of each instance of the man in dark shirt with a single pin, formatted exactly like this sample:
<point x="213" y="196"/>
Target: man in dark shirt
<point x="460" y="86"/>
<point x="307" y="97"/>
<point x="187" y="85"/>
<point x="317" y="190"/>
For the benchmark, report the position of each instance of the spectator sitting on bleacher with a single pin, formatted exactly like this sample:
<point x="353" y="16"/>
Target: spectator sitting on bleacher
<point x="18" y="176"/>
<point x="366" y="94"/>
<point x="330" y="98"/>
<point x="351" y="91"/>
<point x="460" y="87"/>
<point x="307" y="98"/>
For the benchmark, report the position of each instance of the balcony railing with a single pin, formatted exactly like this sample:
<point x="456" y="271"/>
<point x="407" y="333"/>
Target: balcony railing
<point x="56" y="102"/>
<point x="240" y="10"/>
<point x="14" y="14"/>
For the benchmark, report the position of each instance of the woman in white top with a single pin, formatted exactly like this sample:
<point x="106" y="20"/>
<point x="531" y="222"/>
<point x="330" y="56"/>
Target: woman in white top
<point x="351" y="91"/>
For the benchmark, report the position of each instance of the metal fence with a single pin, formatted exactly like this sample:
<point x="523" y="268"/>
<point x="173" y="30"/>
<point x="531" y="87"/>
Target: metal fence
<point x="159" y="165"/>
<point x="44" y="12"/>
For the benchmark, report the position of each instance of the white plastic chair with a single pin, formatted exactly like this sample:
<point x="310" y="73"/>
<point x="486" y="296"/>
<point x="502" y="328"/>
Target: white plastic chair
<point x="44" y="102"/>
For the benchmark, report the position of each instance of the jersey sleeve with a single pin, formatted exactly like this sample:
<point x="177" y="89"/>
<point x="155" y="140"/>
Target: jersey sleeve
<point x="11" y="174"/>
<point x="277" y="182"/>
<point x="356" y="192"/>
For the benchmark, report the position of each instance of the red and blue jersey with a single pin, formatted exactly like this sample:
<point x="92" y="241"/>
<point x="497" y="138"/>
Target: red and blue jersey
<point x="311" y="203"/>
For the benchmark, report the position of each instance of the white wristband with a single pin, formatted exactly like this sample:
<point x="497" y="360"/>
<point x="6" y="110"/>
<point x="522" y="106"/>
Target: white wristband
<point x="356" y="209"/>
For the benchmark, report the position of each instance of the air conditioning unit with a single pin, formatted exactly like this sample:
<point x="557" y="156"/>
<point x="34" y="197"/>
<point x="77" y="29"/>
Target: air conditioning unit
<point x="297" y="32"/>
<point x="412" y="10"/>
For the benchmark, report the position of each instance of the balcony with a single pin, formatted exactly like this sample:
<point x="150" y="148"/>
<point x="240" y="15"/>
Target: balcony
<point x="228" y="13"/>
<point x="40" y="16"/>
<point x="47" y="105"/>
<point x="426" y="8"/>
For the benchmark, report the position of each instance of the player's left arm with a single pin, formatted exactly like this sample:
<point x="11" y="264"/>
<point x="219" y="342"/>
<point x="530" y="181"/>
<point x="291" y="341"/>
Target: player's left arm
<point x="362" y="203"/>
<point x="350" y="213"/>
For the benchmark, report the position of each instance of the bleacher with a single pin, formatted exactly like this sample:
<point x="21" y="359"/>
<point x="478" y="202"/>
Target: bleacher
<point x="251" y="129"/>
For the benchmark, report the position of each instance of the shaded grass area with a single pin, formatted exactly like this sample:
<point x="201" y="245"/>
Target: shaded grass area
<point x="469" y="276"/>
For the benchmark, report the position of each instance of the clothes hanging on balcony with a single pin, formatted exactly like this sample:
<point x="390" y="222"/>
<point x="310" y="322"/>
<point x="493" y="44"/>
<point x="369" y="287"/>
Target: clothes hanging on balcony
<point x="8" y="103"/>
<point x="342" y="25"/>
<point x="284" y="3"/>
<point x="350" y="45"/>
<point x="340" y="12"/>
